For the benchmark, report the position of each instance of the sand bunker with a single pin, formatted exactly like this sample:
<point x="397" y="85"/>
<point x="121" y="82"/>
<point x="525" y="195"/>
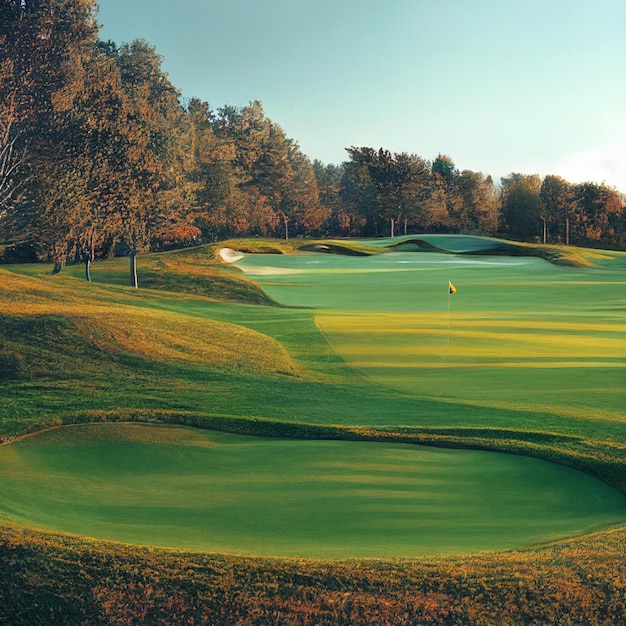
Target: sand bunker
<point x="230" y="256"/>
<point x="265" y="270"/>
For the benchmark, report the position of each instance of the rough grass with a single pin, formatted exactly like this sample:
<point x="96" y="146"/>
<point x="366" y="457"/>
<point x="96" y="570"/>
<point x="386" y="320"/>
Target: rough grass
<point x="70" y="580"/>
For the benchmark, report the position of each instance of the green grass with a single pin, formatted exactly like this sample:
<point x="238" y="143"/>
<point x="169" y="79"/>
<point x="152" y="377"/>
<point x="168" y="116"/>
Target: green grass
<point x="202" y="490"/>
<point x="356" y="370"/>
<point x="536" y="348"/>
<point x="525" y="336"/>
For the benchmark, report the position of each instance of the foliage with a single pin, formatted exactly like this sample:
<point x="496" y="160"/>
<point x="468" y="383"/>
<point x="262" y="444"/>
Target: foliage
<point x="99" y="155"/>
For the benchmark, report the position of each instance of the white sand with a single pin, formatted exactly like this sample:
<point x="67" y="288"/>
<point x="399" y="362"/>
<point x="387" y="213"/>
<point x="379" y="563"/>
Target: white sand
<point x="230" y="256"/>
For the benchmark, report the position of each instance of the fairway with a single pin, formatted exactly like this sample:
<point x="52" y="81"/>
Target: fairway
<point x="520" y="334"/>
<point x="186" y="488"/>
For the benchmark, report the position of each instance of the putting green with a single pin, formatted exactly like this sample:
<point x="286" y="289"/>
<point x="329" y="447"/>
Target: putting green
<point x="193" y="489"/>
<point x="519" y="334"/>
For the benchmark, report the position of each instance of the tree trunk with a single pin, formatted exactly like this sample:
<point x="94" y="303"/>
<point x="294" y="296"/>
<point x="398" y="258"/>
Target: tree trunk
<point x="567" y="231"/>
<point x="286" y="220"/>
<point x="133" y="270"/>
<point x="406" y="222"/>
<point x="58" y="266"/>
<point x="393" y="225"/>
<point x="545" y="233"/>
<point x="90" y="257"/>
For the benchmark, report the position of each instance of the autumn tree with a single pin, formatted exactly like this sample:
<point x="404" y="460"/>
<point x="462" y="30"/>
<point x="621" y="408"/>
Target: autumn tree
<point x="271" y="180"/>
<point x="445" y="203"/>
<point x="83" y="191"/>
<point x="50" y="45"/>
<point x="600" y="211"/>
<point x="38" y="42"/>
<point x="212" y="173"/>
<point x="94" y="189"/>
<point x="490" y="214"/>
<point x="300" y="195"/>
<point x="234" y="202"/>
<point x="284" y="175"/>
<point x="272" y="173"/>
<point x="154" y="189"/>
<point x="340" y="220"/>
<point x="13" y="164"/>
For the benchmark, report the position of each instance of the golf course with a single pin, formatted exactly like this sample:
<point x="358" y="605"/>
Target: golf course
<point x="435" y="403"/>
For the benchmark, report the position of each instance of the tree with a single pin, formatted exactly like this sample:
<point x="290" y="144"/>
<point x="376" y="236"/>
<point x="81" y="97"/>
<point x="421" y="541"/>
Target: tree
<point x="444" y="203"/>
<point x="396" y="187"/>
<point x="340" y="221"/>
<point x="599" y="211"/>
<point x="478" y="208"/>
<point x="239" y="204"/>
<point x="154" y="189"/>
<point x="491" y="206"/>
<point x="558" y="207"/>
<point x="212" y="173"/>
<point x="102" y="111"/>
<point x="13" y="166"/>
<point x="443" y="167"/>
<point x="387" y="179"/>
<point x="413" y="186"/>
<point x="521" y="205"/>
<point x="50" y="46"/>
<point x="380" y="167"/>
<point x="42" y="47"/>
<point x="358" y="191"/>
<point x="300" y="194"/>
<point x="270" y="175"/>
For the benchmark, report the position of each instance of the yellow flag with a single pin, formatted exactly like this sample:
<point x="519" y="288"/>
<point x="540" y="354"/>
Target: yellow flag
<point x="451" y="287"/>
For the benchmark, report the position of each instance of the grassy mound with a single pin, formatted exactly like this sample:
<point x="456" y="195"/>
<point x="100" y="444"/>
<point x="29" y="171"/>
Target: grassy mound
<point x="66" y="329"/>
<point x="570" y="256"/>
<point x="197" y="271"/>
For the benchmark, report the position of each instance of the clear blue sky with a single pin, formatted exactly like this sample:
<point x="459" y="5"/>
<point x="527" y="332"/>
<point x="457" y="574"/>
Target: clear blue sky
<point x="530" y="86"/>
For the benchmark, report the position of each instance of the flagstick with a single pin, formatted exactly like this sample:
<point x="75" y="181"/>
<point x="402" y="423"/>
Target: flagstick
<point x="448" y="342"/>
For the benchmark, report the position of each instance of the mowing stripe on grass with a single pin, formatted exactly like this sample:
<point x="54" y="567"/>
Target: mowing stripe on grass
<point x="185" y="488"/>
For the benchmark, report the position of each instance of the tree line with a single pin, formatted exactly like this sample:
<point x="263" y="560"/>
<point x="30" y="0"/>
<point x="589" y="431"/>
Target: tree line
<point x="100" y="155"/>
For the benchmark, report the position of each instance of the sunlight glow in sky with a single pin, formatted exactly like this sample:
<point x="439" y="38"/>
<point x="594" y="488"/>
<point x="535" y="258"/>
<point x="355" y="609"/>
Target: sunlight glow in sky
<point x="530" y="86"/>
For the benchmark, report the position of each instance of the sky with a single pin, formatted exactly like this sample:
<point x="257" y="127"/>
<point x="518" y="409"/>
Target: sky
<point x="501" y="86"/>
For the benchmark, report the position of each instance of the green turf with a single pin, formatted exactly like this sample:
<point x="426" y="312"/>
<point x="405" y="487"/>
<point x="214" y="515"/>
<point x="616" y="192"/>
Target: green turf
<point x="185" y="488"/>
<point x="536" y="349"/>
<point x="524" y="335"/>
